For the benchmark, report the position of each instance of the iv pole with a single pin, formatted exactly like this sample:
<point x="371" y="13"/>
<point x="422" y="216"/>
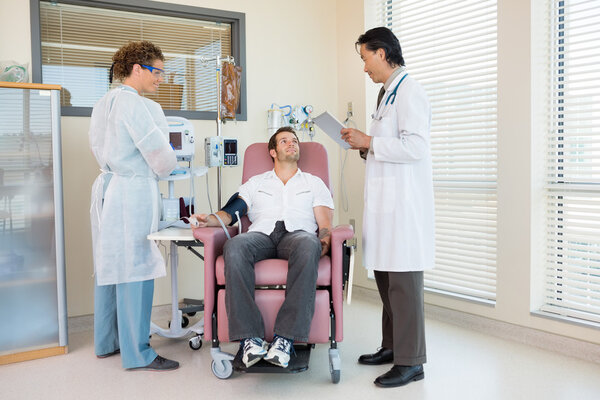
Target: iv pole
<point x="219" y="60"/>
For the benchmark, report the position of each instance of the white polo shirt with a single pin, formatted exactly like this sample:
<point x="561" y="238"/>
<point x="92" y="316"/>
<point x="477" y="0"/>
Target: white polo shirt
<point x="269" y="201"/>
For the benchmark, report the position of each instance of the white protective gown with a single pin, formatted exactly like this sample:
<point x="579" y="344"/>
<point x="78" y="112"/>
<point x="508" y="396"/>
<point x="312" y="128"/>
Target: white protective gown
<point x="398" y="224"/>
<point x="128" y="136"/>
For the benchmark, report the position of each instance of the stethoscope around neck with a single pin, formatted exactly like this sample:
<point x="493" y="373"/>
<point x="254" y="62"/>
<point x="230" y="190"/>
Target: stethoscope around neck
<point x="389" y="100"/>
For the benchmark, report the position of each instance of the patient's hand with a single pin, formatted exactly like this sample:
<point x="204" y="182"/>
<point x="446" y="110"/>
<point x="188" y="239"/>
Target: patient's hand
<point x="199" y="220"/>
<point x="325" y="238"/>
<point x="204" y="220"/>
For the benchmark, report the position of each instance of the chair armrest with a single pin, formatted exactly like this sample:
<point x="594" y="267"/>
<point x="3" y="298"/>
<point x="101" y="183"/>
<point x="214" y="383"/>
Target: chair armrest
<point x="339" y="234"/>
<point x="212" y="236"/>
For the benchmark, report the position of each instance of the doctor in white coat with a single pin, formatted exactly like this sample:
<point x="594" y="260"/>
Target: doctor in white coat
<point x="128" y="136"/>
<point x="398" y="222"/>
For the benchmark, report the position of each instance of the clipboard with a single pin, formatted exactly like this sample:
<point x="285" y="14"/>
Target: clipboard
<point x="332" y="127"/>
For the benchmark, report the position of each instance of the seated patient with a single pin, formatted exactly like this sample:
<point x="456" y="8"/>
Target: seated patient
<point x="285" y="206"/>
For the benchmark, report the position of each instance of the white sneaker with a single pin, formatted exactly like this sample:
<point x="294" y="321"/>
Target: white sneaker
<point x="279" y="352"/>
<point x="254" y="350"/>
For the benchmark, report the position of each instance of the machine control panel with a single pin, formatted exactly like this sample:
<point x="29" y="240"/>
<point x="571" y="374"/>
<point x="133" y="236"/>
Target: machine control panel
<point x="181" y="138"/>
<point x="221" y="152"/>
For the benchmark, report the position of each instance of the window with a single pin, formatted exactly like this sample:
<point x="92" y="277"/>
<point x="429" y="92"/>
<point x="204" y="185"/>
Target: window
<point x="450" y="48"/>
<point x="77" y="39"/>
<point x="572" y="266"/>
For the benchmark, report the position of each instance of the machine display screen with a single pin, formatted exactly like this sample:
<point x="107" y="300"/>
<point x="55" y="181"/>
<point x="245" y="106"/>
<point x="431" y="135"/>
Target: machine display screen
<point x="175" y="140"/>
<point x="230" y="147"/>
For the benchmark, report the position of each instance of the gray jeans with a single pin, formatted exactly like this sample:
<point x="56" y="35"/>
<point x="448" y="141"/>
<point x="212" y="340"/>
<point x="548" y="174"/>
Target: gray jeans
<point x="302" y="250"/>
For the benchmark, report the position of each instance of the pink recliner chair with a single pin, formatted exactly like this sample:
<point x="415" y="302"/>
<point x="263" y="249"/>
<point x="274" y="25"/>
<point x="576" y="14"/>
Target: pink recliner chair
<point x="271" y="277"/>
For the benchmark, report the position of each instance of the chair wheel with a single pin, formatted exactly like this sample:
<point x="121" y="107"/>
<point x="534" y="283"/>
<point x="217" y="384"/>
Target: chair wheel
<point x="223" y="369"/>
<point x="195" y="342"/>
<point x="335" y="376"/>
<point x="334" y="365"/>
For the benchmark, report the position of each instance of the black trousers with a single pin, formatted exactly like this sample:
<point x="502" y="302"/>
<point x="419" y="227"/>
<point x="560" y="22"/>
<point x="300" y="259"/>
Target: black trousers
<point x="403" y="319"/>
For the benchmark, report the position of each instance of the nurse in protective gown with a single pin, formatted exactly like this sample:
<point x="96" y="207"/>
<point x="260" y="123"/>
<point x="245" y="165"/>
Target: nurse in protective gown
<point x="129" y="138"/>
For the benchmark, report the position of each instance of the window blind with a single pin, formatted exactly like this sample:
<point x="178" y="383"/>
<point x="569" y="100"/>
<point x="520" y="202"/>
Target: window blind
<point x="450" y="48"/>
<point x="25" y="154"/>
<point x="78" y="43"/>
<point x="572" y="278"/>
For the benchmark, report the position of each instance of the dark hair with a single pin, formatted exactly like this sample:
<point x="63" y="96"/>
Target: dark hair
<point x="143" y="52"/>
<point x="382" y="38"/>
<point x="273" y="139"/>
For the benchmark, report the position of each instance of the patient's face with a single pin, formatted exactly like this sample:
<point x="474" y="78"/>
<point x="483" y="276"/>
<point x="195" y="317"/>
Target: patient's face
<point x="288" y="148"/>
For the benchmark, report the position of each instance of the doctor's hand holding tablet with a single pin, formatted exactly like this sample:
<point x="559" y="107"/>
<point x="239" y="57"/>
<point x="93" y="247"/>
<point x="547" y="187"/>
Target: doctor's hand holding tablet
<point x="356" y="139"/>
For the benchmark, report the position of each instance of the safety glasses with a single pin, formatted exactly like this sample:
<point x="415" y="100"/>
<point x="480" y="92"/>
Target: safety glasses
<point x="157" y="72"/>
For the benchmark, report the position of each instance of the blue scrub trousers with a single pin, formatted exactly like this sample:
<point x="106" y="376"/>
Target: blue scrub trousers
<point x="122" y="321"/>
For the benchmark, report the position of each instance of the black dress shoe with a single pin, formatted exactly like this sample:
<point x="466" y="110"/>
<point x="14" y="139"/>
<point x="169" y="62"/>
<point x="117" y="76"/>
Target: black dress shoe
<point x="159" y="364"/>
<point x="382" y="356"/>
<point x="400" y="375"/>
<point x="112" y="353"/>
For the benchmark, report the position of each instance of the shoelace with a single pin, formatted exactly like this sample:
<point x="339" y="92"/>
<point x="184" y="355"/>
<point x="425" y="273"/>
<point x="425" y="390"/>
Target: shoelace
<point x="250" y="342"/>
<point x="283" y="345"/>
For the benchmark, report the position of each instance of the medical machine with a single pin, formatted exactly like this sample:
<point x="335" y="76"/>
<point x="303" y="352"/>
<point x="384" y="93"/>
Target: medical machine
<point x="181" y="138"/>
<point x="220" y="151"/>
<point x="298" y="117"/>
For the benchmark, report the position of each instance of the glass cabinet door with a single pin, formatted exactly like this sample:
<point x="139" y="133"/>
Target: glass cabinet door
<point x="32" y="300"/>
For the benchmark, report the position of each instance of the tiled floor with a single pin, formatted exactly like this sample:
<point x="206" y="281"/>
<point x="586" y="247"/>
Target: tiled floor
<point x="461" y="365"/>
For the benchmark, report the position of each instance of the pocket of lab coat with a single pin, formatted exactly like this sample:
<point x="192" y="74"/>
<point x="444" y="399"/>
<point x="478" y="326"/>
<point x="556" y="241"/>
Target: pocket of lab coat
<point x="381" y="195"/>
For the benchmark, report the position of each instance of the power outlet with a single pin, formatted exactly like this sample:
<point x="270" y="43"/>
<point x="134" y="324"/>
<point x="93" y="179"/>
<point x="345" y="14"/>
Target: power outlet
<point x="350" y="107"/>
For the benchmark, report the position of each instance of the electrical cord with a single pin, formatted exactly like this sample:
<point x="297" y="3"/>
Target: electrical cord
<point x="237" y="214"/>
<point x="208" y="194"/>
<point x="222" y="225"/>
<point x="348" y="123"/>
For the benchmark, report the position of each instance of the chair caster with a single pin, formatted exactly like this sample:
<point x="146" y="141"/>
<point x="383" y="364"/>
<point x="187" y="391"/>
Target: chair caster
<point x="222" y="369"/>
<point x="195" y="342"/>
<point x="222" y="363"/>
<point x="335" y="376"/>
<point x="334" y="365"/>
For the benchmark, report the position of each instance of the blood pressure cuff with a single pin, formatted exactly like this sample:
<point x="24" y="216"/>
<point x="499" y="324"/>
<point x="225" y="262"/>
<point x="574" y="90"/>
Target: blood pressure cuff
<point x="235" y="203"/>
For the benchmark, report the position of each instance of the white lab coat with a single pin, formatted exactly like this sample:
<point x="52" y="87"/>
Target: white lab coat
<point x="128" y="136"/>
<point x="398" y="223"/>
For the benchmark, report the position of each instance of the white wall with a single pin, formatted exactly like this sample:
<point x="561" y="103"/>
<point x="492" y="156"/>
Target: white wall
<point x="303" y="52"/>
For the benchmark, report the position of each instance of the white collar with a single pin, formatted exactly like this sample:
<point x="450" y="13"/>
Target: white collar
<point x="397" y="72"/>
<point x="271" y="174"/>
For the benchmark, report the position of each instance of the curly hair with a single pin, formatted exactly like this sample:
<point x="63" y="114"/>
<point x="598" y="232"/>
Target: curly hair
<point x="143" y="52"/>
